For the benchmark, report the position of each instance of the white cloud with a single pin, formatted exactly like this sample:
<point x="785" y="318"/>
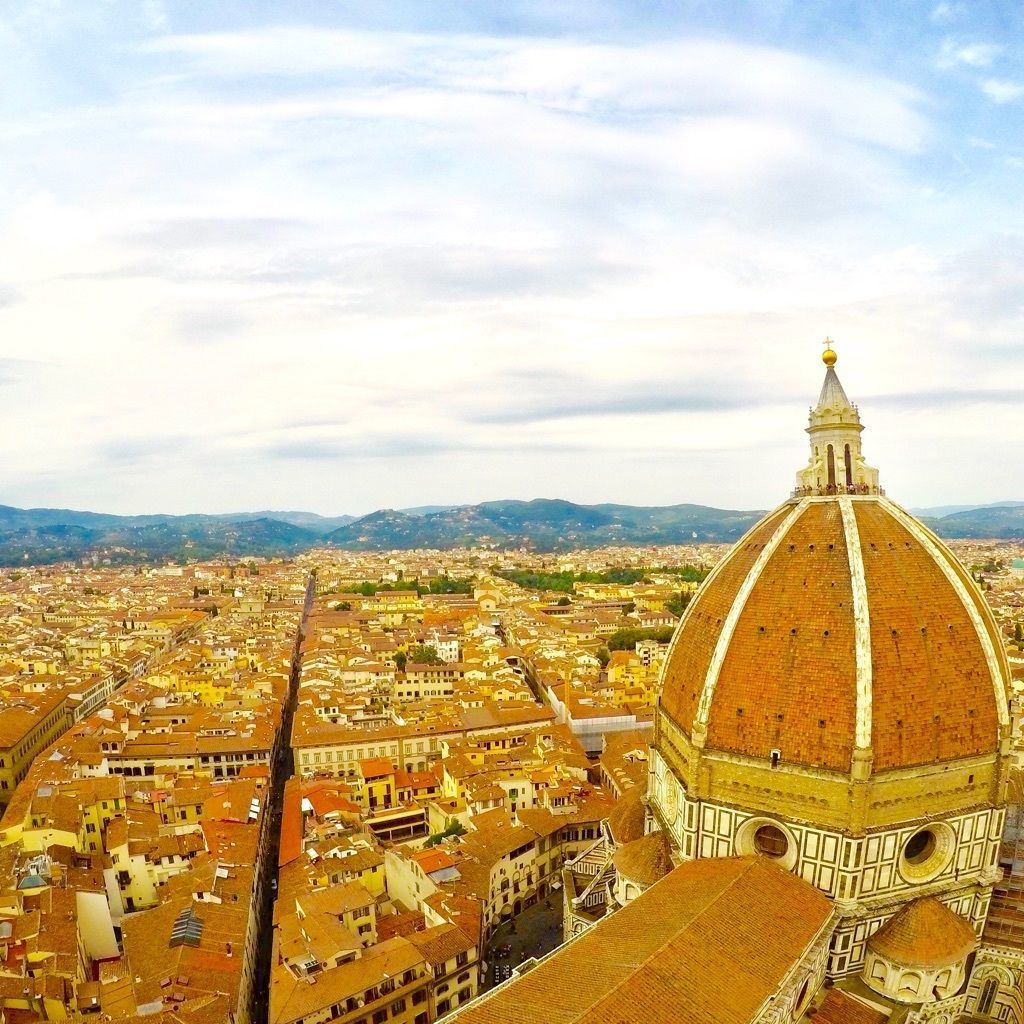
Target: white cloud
<point x="972" y="55"/>
<point x="1002" y="90"/>
<point x="944" y="13"/>
<point x="329" y="269"/>
<point x="700" y="78"/>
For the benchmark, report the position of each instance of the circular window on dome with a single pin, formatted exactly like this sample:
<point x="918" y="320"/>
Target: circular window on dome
<point x="769" y="838"/>
<point x="920" y="847"/>
<point x="771" y="841"/>
<point x="927" y="852"/>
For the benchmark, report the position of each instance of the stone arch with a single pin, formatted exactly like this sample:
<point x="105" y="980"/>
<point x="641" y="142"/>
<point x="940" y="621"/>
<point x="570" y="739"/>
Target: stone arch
<point x="909" y="984"/>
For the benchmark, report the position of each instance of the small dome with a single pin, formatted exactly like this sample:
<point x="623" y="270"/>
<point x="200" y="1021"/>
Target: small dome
<point x="925" y="933"/>
<point x="627" y="817"/>
<point x="829" y="357"/>
<point x="645" y="860"/>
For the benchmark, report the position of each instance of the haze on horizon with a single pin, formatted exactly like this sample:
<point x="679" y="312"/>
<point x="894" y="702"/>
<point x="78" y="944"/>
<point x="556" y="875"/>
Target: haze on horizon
<point x="342" y="257"/>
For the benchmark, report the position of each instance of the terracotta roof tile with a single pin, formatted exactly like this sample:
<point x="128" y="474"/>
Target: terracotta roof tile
<point x="839" y="1008"/>
<point x="925" y="933"/>
<point x="691" y="948"/>
<point x="787" y="681"/>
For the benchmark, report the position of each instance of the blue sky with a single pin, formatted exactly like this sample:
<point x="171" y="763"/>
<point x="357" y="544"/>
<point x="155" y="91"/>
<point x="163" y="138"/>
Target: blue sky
<point x="349" y="256"/>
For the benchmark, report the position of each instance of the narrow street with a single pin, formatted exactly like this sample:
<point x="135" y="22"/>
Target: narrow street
<point x="280" y="771"/>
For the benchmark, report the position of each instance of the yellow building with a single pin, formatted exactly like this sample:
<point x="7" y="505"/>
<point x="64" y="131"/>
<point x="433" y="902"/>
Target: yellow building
<point x="30" y="722"/>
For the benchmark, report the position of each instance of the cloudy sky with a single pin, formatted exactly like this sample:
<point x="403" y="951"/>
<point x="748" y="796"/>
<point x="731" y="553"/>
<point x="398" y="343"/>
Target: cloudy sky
<point x="342" y="256"/>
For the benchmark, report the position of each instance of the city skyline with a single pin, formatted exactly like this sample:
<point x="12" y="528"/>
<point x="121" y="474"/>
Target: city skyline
<point x="347" y="260"/>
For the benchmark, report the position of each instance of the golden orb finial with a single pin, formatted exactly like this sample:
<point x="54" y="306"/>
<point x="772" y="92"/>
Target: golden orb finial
<point x="828" y="357"/>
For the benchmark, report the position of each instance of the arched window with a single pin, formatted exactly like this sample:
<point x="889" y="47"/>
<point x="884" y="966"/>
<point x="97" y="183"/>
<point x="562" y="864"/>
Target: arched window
<point x="849" y="467"/>
<point x="831" y="468"/>
<point x="988" y="995"/>
<point x="909" y="984"/>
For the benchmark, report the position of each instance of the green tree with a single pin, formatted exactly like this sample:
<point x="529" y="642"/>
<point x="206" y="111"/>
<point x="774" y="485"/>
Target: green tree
<point x="1017" y="633"/>
<point x="564" y="602"/>
<point x="677" y="605"/>
<point x="453" y="828"/>
<point x="400" y="660"/>
<point x="604" y="657"/>
<point x="424" y="654"/>
<point x="626" y="639"/>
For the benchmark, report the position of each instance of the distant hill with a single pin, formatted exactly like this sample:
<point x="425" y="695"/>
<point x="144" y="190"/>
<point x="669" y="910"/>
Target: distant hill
<point x="941" y="511"/>
<point x="999" y="522"/>
<point x="546" y="524"/>
<point x="307" y="520"/>
<point x="45" y="535"/>
<point x="42" y="536"/>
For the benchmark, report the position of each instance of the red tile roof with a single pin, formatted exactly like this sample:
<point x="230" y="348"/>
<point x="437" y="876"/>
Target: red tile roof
<point x="708" y="944"/>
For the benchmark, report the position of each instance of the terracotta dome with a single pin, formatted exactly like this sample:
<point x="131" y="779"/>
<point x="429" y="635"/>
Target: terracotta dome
<point x="627" y="818"/>
<point x="924" y="933"/>
<point x="839" y="623"/>
<point x="645" y="860"/>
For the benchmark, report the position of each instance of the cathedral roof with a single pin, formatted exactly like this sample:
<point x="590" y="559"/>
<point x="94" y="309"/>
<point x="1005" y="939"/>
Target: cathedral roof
<point x="839" y="1008"/>
<point x="708" y="944"/>
<point x="925" y="933"/>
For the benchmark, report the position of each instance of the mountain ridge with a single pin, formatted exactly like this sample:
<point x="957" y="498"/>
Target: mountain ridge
<point x="45" y="535"/>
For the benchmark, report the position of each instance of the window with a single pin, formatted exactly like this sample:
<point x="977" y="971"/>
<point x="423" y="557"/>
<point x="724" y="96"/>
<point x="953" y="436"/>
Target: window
<point x="927" y="853"/>
<point x="802" y="999"/>
<point x="988" y="995"/>
<point x="397" y="1007"/>
<point x="771" y="841"/>
<point x="919" y="847"/>
<point x="910" y="983"/>
<point x="380" y="1016"/>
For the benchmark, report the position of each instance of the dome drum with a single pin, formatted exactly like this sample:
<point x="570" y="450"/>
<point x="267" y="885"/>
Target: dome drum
<point x="858" y="803"/>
